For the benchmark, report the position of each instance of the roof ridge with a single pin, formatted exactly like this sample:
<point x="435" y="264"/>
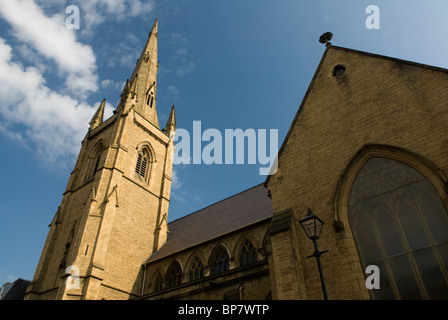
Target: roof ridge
<point x="222" y="200"/>
<point x="386" y="57"/>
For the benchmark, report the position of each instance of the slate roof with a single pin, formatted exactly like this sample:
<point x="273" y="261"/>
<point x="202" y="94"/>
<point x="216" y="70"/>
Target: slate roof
<point x="238" y="211"/>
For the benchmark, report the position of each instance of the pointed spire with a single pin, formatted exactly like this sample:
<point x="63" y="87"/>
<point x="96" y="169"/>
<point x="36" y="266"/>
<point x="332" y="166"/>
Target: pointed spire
<point x="98" y="117"/>
<point x="170" y="128"/>
<point x="150" y="48"/>
<point x="140" y="90"/>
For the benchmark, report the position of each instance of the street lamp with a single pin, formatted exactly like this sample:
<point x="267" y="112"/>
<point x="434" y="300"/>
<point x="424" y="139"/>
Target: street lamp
<point x="313" y="228"/>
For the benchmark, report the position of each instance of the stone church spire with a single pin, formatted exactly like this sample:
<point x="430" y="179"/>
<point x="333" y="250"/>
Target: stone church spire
<point x="140" y="91"/>
<point x="98" y="117"/>
<point x="114" y="210"/>
<point x="170" y="129"/>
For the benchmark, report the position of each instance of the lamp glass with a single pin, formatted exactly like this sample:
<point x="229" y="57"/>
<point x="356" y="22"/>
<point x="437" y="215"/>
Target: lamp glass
<point x="312" y="225"/>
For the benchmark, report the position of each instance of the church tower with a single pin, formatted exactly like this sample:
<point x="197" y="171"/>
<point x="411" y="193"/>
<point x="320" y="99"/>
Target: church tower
<point x="113" y="213"/>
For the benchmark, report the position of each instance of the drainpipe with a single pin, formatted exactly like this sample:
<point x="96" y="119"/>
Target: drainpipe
<point x="144" y="279"/>
<point x="240" y="290"/>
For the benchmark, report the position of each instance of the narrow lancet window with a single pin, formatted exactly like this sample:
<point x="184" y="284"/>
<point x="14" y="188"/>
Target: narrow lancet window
<point x="248" y="254"/>
<point x="221" y="260"/>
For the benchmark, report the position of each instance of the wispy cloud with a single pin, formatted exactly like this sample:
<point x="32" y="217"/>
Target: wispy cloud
<point x="173" y="7"/>
<point x="176" y="184"/>
<point x="178" y="39"/>
<point x="96" y="12"/>
<point x="50" y="117"/>
<point x="51" y="39"/>
<point x="173" y="93"/>
<point x="4" y="277"/>
<point x="123" y="54"/>
<point x="183" y="195"/>
<point x="52" y="122"/>
<point x="184" y="64"/>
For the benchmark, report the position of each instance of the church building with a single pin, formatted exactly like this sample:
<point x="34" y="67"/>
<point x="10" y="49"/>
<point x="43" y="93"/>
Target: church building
<point x="366" y="155"/>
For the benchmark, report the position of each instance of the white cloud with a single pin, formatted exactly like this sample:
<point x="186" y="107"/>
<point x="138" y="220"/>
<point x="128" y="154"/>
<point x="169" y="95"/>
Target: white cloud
<point x="176" y="184"/>
<point x="177" y="38"/>
<point x="185" y="68"/>
<point x="173" y="92"/>
<point x="184" y="195"/>
<point x="52" y="122"/>
<point x="181" y="56"/>
<point x="50" y="37"/>
<point x="111" y="84"/>
<point x="172" y="7"/>
<point x="5" y="277"/>
<point x="123" y="54"/>
<point x="55" y="123"/>
<point x="96" y="12"/>
<point x="28" y="54"/>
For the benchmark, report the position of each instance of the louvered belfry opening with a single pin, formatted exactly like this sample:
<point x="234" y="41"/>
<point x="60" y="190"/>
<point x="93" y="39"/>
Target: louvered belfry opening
<point x="142" y="163"/>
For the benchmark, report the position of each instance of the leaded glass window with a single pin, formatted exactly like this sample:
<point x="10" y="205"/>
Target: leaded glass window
<point x="158" y="283"/>
<point x="400" y="225"/>
<point x="196" y="270"/>
<point x="173" y="275"/>
<point x="248" y="254"/>
<point x="220" y="262"/>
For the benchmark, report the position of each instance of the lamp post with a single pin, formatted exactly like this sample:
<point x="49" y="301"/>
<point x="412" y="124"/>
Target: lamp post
<point x="313" y="228"/>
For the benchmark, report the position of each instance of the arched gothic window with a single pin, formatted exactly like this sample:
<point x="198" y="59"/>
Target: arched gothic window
<point x="173" y="275"/>
<point x="196" y="269"/>
<point x="220" y="261"/>
<point x="248" y="253"/>
<point x="158" y="283"/>
<point x="400" y="225"/>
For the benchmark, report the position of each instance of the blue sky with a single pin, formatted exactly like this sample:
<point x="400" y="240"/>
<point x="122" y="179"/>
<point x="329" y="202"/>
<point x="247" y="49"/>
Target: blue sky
<point x="229" y="64"/>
